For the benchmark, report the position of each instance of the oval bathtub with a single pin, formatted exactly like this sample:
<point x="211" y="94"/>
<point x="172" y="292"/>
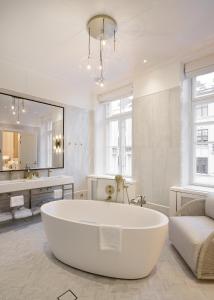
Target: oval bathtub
<point x="73" y="231"/>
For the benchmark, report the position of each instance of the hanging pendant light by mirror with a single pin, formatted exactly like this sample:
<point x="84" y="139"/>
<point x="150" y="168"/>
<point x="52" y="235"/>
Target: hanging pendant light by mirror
<point x="102" y="28"/>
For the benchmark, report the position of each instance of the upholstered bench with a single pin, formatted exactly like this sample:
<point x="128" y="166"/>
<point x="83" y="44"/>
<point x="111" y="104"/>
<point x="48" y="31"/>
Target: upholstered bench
<point x="192" y="234"/>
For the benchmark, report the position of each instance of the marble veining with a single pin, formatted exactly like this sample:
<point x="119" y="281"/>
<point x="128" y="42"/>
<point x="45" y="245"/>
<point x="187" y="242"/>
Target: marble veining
<point x="157" y="144"/>
<point x="28" y="271"/>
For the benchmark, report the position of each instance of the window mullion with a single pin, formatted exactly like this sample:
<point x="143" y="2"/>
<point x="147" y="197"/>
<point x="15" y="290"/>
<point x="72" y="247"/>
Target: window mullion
<point x="120" y="146"/>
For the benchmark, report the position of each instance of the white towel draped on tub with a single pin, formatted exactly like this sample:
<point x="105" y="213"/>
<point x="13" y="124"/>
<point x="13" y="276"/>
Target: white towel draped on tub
<point x="16" y="201"/>
<point x="110" y="237"/>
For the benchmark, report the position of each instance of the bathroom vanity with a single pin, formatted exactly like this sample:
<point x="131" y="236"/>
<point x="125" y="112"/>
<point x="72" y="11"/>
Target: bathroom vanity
<point x="8" y="186"/>
<point x="31" y="139"/>
<point x="35" y="192"/>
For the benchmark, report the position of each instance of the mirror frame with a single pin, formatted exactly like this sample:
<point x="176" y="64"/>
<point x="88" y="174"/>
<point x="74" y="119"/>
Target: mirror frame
<point x="63" y="131"/>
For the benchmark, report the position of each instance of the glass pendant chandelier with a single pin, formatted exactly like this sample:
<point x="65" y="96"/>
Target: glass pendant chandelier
<point x="102" y="28"/>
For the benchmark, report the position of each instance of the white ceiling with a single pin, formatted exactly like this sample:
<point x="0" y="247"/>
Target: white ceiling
<point x="50" y="36"/>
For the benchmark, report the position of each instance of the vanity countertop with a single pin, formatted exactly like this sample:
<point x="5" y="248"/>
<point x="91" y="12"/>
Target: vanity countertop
<point x="7" y="186"/>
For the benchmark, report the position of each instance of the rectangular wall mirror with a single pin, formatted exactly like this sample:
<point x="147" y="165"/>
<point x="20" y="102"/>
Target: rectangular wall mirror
<point x="31" y="134"/>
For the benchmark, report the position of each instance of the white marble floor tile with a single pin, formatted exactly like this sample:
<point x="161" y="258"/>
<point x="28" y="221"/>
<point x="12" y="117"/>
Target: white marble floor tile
<point x="28" y="271"/>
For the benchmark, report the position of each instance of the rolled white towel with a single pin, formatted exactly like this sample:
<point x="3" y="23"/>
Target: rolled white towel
<point x="110" y="238"/>
<point x="5" y="216"/>
<point x="35" y="210"/>
<point x="58" y="194"/>
<point x="22" y="212"/>
<point x="16" y="201"/>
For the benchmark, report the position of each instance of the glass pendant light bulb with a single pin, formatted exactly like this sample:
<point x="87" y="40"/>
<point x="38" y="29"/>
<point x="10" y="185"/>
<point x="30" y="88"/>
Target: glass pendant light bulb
<point x="23" y="107"/>
<point x="17" y="122"/>
<point x="103" y="42"/>
<point x="88" y="67"/>
<point x="14" y="112"/>
<point x="101" y="84"/>
<point x="13" y="104"/>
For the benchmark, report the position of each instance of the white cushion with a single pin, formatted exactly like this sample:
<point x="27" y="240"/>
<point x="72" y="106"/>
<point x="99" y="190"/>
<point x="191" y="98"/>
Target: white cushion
<point x="187" y="233"/>
<point x="209" y="205"/>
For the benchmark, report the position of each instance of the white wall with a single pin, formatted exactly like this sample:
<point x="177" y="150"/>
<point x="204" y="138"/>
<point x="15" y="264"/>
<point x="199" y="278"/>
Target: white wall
<point x="157" y="80"/>
<point x="99" y="140"/>
<point x="157" y="144"/>
<point x="157" y="134"/>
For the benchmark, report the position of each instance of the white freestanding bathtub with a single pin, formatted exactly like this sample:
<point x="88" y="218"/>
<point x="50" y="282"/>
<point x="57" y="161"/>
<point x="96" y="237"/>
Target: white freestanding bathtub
<point x="72" y="229"/>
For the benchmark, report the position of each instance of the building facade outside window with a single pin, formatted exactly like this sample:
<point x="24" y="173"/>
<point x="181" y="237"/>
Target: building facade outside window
<point x="202" y="136"/>
<point x="203" y="129"/>
<point x="119" y="136"/>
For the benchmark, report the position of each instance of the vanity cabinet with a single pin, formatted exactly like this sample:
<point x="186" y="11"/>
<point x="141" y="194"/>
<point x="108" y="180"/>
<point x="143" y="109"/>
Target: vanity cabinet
<point x="35" y="192"/>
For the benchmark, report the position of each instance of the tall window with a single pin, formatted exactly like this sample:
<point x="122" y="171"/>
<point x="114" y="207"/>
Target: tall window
<point x="119" y="136"/>
<point x="203" y="129"/>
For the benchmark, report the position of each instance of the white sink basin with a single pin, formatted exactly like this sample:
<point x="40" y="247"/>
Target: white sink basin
<point x="7" y="186"/>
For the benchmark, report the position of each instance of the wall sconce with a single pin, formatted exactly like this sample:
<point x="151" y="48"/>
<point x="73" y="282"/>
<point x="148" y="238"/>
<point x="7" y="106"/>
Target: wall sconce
<point x="58" y="143"/>
<point x="5" y="157"/>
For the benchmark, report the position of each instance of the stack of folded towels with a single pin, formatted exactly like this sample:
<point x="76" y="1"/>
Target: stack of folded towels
<point x="5" y="216"/>
<point x="36" y="210"/>
<point x="18" y="209"/>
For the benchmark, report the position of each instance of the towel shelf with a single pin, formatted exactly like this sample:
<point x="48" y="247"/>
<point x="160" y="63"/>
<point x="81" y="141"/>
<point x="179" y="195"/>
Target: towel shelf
<point x="33" y="198"/>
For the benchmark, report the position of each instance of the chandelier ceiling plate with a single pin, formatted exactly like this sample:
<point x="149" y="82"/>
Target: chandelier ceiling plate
<point x="102" y="27"/>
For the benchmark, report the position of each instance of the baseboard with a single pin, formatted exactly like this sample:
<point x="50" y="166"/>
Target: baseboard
<point x="162" y="208"/>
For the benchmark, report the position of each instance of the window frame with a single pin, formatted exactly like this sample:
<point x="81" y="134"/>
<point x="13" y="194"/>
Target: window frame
<point x="202" y="99"/>
<point x="201" y="136"/>
<point x="120" y="117"/>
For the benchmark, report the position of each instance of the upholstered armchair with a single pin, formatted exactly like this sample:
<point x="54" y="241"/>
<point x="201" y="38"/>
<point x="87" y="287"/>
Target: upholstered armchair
<point x="192" y="234"/>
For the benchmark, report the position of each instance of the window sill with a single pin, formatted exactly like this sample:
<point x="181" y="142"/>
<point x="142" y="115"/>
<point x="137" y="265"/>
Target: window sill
<point x="104" y="176"/>
<point x="192" y="188"/>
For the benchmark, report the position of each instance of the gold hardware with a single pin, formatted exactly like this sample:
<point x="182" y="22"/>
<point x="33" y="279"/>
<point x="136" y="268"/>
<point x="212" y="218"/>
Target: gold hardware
<point x="30" y="174"/>
<point x="109" y="191"/>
